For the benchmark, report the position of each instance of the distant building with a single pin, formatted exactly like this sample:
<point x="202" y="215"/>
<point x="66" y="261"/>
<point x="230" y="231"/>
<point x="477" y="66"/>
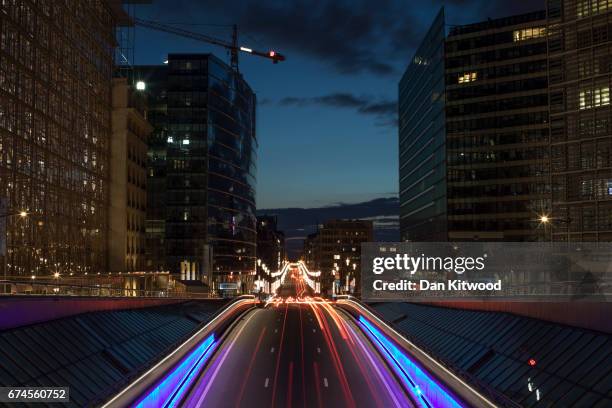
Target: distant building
<point x="310" y="252"/>
<point x="55" y="134"/>
<point x="202" y="161"/>
<point x="336" y="250"/>
<point x="579" y="44"/>
<point x="474" y="133"/>
<point x="270" y="243"/>
<point x="128" y="176"/>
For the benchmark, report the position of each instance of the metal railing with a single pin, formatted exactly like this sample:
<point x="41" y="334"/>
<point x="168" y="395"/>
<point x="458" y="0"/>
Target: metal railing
<point x="485" y="395"/>
<point x="56" y="288"/>
<point x="128" y="394"/>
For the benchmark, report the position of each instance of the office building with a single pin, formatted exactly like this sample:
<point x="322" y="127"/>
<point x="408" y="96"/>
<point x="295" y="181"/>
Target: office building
<point x="338" y="254"/>
<point x="270" y="243"/>
<point x="422" y="154"/>
<point x="202" y="158"/>
<point x="497" y="136"/>
<point x="580" y="67"/>
<point x="128" y="176"/>
<point x="55" y="134"/>
<point x="474" y="133"/>
<point x="310" y="251"/>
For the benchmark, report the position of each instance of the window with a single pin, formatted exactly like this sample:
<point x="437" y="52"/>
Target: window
<point x="529" y="33"/>
<point x="467" y="77"/>
<point x="585" y="8"/>
<point x="593" y="98"/>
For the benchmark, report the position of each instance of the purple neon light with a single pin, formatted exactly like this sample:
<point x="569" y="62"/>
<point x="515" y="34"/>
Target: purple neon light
<point x="426" y="390"/>
<point x="169" y="391"/>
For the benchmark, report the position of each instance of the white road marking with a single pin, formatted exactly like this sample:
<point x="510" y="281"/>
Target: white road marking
<point x="275" y="330"/>
<point x="319" y="350"/>
<point x="314" y="331"/>
<point x="325" y="382"/>
<point x="272" y="350"/>
<point x="266" y="383"/>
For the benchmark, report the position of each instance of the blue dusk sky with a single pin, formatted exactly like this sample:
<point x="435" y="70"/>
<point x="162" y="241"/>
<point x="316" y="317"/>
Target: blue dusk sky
<point x="327" y="116"/>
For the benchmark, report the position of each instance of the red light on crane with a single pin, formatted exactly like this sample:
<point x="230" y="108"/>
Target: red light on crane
<point x="532" y="362"/>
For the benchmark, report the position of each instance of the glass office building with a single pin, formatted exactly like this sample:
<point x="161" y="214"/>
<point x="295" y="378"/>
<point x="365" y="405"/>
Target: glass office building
<point x="422" y="154"/>
<point x="497" y="129"/>
<point x="202" y="165"/>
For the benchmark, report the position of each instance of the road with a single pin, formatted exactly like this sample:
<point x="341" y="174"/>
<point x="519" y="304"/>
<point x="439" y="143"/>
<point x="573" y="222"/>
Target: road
<point x="292" y="353"/>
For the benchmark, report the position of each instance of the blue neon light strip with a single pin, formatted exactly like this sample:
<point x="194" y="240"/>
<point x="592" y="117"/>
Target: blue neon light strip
<point x="171" y="389"/>
<point x="417" y="380"/>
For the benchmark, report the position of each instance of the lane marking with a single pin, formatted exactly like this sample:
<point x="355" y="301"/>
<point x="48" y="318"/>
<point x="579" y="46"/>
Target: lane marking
<point x="314" y="330"/>
<point x="272" y="350"/>
<point x="325" y="383"/>
<point x="267" y="382"/>
<point x="278" y="356"/>
<point x="319" y="350"/>
<point x="275" y="330"/>
<point x="315" y="366"/>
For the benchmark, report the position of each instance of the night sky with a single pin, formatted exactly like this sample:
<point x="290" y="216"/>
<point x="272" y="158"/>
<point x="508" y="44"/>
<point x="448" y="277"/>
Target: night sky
<point x="327" y="116"/>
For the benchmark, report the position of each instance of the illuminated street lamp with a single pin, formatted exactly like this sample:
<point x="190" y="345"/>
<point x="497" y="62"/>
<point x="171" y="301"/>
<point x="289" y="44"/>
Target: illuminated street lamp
<point x="21" y="213"/>
<point x="544" y="219"/>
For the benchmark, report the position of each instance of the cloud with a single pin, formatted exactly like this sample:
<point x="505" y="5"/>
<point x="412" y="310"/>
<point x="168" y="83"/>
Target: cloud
<point x="385" y="111"/>
<point x="352" y="36"/>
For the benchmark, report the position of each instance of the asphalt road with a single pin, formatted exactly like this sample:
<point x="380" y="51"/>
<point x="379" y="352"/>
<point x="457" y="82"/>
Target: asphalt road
<point x="291" y="354"/>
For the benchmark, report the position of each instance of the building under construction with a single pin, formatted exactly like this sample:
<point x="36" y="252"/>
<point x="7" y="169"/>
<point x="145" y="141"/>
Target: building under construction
<point x="57" y="61"/>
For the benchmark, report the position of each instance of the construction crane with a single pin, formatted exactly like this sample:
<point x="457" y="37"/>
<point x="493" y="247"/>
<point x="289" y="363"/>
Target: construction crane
<point x="233" y="46"/>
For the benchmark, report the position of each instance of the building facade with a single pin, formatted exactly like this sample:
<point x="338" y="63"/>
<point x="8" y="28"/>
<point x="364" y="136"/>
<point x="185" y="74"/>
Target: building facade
<point x="270" y="243"/>
<point x="497" y="135"/>
<point x="202" y="162"/>
<point x="422" y="154"/>
<point x="310" y="252"/>
<point x="128" y="177"/>
<point x="338" y="252"/>
<point x="580" y="68"/>
<point x="55" y="132"/>
<point x="474" y="133"/>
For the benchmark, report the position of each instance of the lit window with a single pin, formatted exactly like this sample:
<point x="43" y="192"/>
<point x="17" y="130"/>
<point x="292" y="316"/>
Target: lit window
<point x="170" y="140"/>
<point x="585" y="8"/>
<point x="185" y="141"/>
<point x="467" y="77"/>
<point x="594" y="98"/>
<point x="140" y="85"/>
<point x="529" y="33"/>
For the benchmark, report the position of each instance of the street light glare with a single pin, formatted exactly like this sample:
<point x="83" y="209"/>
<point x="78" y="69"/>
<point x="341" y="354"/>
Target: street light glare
<point x="23" y="213"/>
<point x="544" y="219"/>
